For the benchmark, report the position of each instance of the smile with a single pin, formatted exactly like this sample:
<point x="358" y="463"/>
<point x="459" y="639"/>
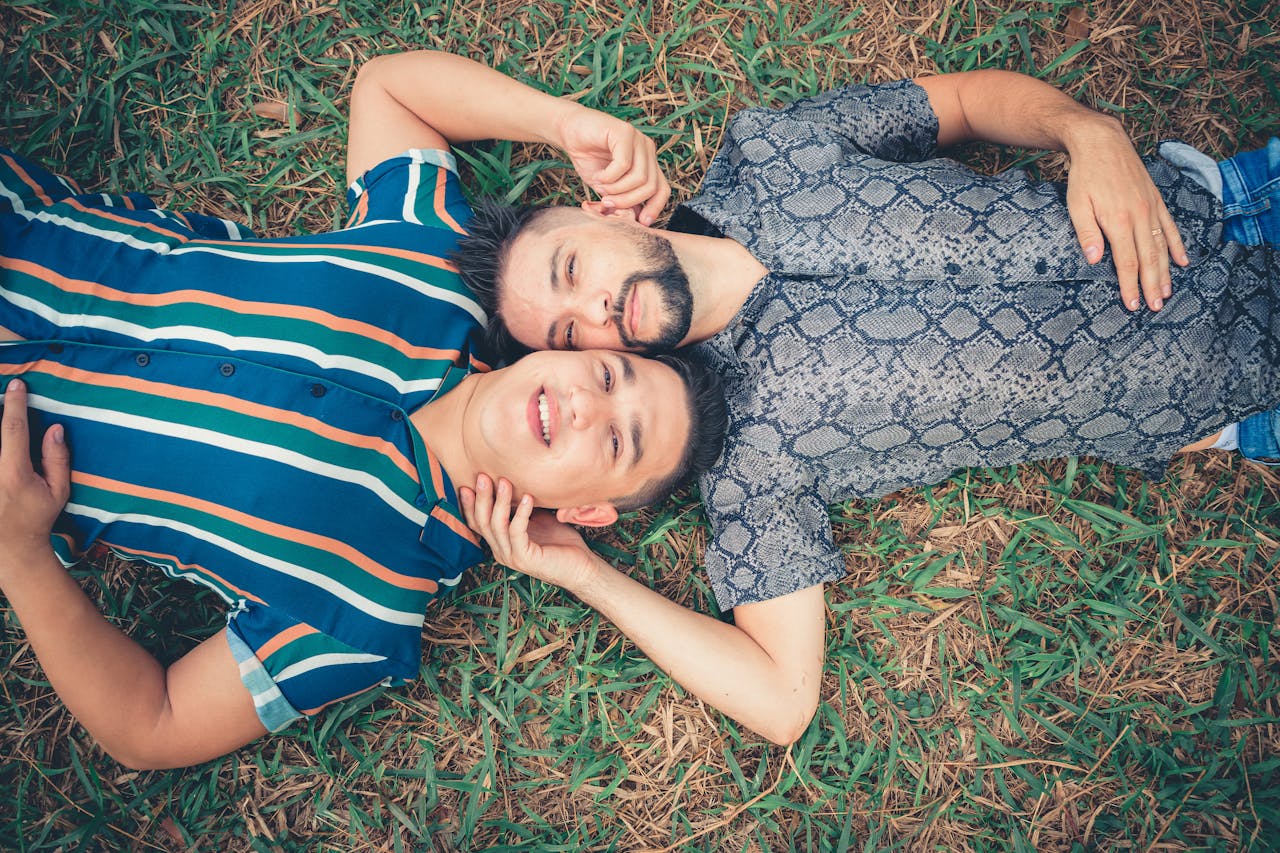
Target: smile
<point x="544" y="416"/>
<point x="633" y="313"/>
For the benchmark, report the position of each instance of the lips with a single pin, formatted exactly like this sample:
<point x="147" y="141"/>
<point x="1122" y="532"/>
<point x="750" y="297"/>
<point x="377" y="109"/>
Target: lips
<point x="633" y="313"/>
<point x="541" y="414"/>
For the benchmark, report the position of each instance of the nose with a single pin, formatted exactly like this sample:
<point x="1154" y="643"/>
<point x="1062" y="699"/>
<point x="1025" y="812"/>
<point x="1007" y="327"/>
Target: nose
<point x="584" y="405"/>
<point x="597" y="309"/>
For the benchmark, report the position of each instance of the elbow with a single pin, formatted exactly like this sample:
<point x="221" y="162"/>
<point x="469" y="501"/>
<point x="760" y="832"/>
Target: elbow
<point x="790" y="721"/>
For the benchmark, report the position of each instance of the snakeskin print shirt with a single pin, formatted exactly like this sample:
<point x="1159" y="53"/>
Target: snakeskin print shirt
<point x="919" y="318"/>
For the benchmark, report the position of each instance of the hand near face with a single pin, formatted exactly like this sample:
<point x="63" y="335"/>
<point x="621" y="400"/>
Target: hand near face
<point x="530" y="541"/>
<point x="1111" y="195"/>
<point x="29" y="502"/>
<point x="617" y="161"/>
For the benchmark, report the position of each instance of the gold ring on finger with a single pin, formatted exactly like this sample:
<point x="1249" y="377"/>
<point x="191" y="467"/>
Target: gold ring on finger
<point x="1156" y="232"/>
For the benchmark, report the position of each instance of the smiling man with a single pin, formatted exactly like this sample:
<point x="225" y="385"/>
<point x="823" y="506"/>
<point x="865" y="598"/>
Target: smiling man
<point x="883" y="316"/>
<point x="283" y="421"/>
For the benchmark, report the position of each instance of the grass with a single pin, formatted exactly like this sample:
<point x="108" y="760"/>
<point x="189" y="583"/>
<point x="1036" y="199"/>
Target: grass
<point x="1060" y="656"/>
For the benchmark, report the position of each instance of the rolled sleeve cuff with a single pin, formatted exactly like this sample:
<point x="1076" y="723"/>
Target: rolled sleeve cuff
<point x="273" y="709"/>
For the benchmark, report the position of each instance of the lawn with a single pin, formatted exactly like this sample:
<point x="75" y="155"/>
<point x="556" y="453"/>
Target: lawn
<point x="1060" y="656"/>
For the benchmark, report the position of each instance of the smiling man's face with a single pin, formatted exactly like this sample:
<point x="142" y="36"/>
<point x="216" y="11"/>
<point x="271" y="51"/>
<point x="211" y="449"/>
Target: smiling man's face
<point x="579" y="428"/>
<point x="575" y="280"/>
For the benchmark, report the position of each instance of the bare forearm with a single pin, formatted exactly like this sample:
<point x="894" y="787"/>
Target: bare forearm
<point x="717" y="662"/>
<point x="1014" y="109"/>
<point x="111" y="684"/>
<point x="465" y="101"/>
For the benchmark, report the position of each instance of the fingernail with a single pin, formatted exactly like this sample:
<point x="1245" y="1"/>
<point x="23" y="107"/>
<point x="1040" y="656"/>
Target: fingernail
<point x="1157" y="305"/>
<point x="1183" y="259"/>
<point x="57" y="434"/>
<point x="14" y="385"/>
<point x="1134" y="303"/>
<point x="1092" y="254"/>
<point x="1168" y="291"/>
<point x="526" y="500"/>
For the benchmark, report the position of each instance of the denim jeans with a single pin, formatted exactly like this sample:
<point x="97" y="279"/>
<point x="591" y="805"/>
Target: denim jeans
<point x="1251" y="196"/>
<point x="1251" y="215"/>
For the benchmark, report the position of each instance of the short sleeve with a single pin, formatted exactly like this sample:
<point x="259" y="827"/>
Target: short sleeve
<point x="293" y="670"/>
<point x="767" y="546"/>
<point x="888" y="121"/>
<point x="420" y="186"/>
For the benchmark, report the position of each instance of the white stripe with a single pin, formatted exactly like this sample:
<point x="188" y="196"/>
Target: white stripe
<point x="411" y="194"/>
<point x="13" y="198"/>
<point x="239" y="445"/>
<point x="266" y="561"/>
<point x="412" y="282"/>
<point x="233" y="230"/>
<point x="85" y="228"/>
<point x="302" y="667"/>
<point x="233" y="343"/>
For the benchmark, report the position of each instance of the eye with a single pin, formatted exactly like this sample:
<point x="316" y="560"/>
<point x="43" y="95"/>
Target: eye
<point x="608" y="379"/>
<point x="568" y="336"/>
<point x="617" y="444"/>
<point x="571" y="268"/>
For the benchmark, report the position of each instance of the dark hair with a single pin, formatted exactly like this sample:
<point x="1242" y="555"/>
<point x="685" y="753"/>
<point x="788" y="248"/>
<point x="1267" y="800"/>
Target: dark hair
<point x="480" y="257"/>
<point x="708" y="420"/>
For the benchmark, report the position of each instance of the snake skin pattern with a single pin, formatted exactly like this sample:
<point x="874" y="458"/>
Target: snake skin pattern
<point x="919" y="318"/>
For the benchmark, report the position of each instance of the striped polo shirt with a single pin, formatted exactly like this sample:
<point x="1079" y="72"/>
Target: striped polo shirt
<point x="238" y="409"/>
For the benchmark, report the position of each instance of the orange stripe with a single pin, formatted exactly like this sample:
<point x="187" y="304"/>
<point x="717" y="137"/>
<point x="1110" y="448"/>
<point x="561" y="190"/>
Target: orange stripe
<point x="455" y="525"/>
<point x="128" y="202"/>
<point x="237" y="306"/>
<point x="416" y="257"/>
<point x="133" y="223"/>
<point x="441" y="175"/>
<point x="27" y="179"/>
<point x="219" y="401"/>
<point x="433" y="467"/>
<point x="132" y="553"/>
<point x="269" y="528"/>
<point x="284" y="638"/>
<point x="362" y="210"/>
<point x="479" y="365"/>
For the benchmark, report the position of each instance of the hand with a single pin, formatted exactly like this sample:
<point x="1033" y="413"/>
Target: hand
<point x="1109" y="192"/>
<point x="29" y="502"/>
<point x="617" y="161"/>
<point x="532" y="542"/>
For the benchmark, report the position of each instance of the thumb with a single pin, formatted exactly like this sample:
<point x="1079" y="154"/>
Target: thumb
<point x="56" y="460"/>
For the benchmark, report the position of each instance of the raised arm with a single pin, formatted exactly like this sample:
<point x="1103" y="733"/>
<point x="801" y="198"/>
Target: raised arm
<point x="427" y="99"/>
<point x="141" y="714"/>
<point x="1109" y="192"/>
<point x="763" y="671"/>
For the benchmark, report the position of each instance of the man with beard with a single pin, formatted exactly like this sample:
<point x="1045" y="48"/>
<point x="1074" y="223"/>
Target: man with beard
<point x="883" y="317"/>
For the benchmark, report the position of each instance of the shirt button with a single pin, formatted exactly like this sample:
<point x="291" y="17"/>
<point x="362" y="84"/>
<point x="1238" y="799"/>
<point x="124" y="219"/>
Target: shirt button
<point x="397" y="415"/>
<point x="317" y="390"/>
<point x="142" y="359"/>
<point x="227" y="369"/>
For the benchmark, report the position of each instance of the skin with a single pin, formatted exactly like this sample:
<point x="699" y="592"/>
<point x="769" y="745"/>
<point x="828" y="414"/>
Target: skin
<point x="1110" y="198"/>
<point x="147" y="716"/>
<point x="763" y="670"/>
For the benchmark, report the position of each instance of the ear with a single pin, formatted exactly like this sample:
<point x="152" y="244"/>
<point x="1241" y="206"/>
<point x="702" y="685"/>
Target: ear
<point x="608" y="211"/>
<point x="588" y="515"/>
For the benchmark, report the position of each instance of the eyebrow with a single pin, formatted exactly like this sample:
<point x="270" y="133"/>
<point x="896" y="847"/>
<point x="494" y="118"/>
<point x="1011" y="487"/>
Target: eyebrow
<point x="637" y="449"/>
<point x="555" y="287"/>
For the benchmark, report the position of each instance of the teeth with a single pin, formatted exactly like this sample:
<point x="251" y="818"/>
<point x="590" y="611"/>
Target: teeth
<point x="544" y="412"/>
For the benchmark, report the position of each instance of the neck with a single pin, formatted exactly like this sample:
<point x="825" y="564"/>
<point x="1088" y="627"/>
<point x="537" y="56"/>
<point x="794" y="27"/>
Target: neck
<point x="722" y="274"/>
<point x="440" y="424"/>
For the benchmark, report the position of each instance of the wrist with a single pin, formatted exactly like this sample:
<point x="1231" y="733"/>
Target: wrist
<point x="1090" y="131"/>
<point x="25" y="555"/>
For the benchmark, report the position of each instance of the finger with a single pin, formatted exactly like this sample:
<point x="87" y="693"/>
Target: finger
<point x="1172" y="236"/>
<point x="1124" y="255"/>
<point x="56" y="460"/>
<point x="500" y="517"/>
<point x="653" y="207"/>
<point x="519" y="527"/>
<point x="467" y="497"/>
<point x="620" y="159"/>
<point x="14" y="450"/>
<point x="1088" y="233"/>
<point x="1153" y="260"/>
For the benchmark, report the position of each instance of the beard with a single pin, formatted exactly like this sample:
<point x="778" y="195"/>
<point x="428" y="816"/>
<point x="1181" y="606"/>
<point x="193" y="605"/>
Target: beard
<point x="674" y="297"/>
